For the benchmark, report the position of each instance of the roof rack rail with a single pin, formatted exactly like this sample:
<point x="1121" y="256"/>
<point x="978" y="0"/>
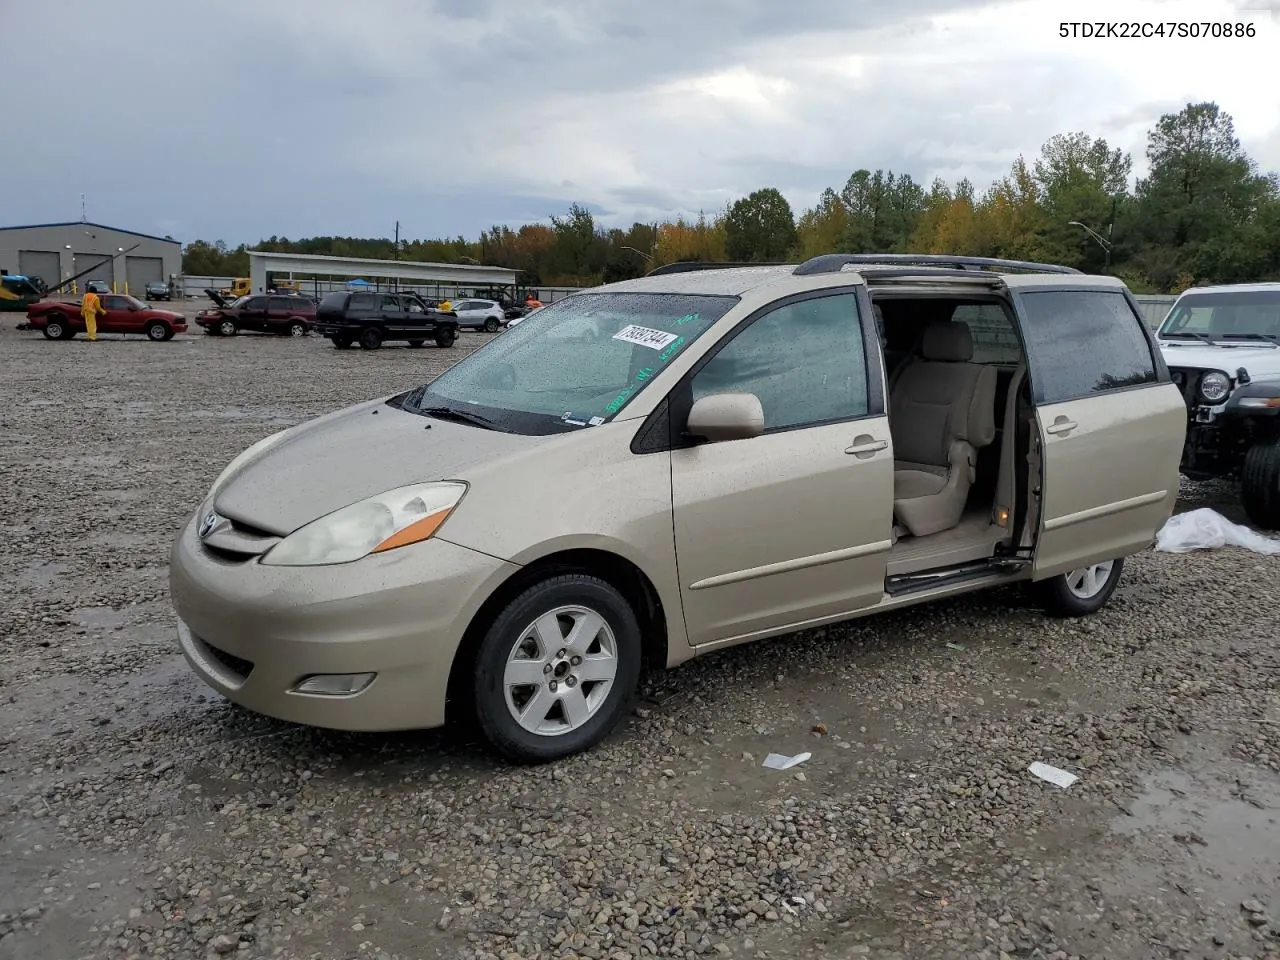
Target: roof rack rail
<point x="834" y="262"/>
<point x="688" y="266"/>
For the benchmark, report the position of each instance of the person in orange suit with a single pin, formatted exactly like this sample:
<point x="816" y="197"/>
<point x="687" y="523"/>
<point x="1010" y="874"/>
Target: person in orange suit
<point x="90" y="309"/>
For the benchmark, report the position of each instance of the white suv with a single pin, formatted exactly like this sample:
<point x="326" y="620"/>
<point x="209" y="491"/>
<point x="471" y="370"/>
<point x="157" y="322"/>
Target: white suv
<point x="479" y="314"/>
<point x="1222" y="346"/>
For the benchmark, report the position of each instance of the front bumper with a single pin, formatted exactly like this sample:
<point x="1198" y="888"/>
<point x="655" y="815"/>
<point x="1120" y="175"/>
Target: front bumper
<point x="253" y="632"/>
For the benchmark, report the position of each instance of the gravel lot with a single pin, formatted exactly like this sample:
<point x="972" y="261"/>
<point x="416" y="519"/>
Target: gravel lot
<point x="141" y="816"/>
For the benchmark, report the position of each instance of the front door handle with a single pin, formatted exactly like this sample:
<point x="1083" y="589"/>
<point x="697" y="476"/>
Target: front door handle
<point x="866" y="445"/>
<point x="1061" y="425"/>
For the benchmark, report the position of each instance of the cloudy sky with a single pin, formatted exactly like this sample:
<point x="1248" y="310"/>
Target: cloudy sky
<point x="239" y="119"/>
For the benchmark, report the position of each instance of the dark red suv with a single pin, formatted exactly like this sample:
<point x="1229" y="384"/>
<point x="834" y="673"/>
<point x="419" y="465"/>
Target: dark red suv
<point x="262" y="313"/>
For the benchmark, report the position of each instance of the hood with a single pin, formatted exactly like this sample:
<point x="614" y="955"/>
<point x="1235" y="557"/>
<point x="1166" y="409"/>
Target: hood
<point x="324" y="465"/>
<point x="1260" y="361"/>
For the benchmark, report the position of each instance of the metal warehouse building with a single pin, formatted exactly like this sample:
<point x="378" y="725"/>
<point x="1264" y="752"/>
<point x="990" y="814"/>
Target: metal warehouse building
<point x="55" y="252"/>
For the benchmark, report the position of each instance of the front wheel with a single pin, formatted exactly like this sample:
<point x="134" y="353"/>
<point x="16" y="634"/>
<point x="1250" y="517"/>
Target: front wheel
<point x="1080" y="592"/>
<point x="158" y="331"/>
<point x="54" y="328"/>
<point x="227" y="328"/>
<point x="446" y="338"/>
<point x="557" y="669"/>
<point x="1260" y="485"/>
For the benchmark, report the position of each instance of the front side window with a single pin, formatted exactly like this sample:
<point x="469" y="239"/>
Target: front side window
<point x="1084" y="342"/>
<point x="1244" y="315"/>
<point x="804" y="361"/>
<point x="576" y="363"/>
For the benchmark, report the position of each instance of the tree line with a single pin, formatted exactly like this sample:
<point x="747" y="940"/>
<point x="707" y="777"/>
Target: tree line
<point x="1203" y="213"/>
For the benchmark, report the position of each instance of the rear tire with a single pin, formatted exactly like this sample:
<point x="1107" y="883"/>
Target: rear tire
<point x="591" y="696"/>
<point x="1260" y="485"/>
<point x="158" y="331"/>
<point x="1079" y="593"/>
<point x="490" y="325"/>
<point x="297" y="329"/>
<point x="446" y="338"/>
<point x="370" y="338"/>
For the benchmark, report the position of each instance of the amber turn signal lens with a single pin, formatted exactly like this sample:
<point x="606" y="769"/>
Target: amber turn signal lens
<point x="418" y="530"/>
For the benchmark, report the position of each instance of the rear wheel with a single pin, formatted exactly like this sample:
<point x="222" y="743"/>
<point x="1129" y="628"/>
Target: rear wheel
<point x="297" y="329"/>
<point x="557" y="668"/>
<point x="1260" y="486"/>
<point x="446" y="338"/>
<point x="370" y="338"/>
<point x="490" y="325"/>
<point x="1081" y="592"/>
<point x="158" y="331"/>
<point x="55" y="328"/>
<point x="227" y="328"/>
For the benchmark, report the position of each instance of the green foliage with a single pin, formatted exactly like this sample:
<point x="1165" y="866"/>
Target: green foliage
<point x="760" y="227"/>
<point x="1202" y="213"/>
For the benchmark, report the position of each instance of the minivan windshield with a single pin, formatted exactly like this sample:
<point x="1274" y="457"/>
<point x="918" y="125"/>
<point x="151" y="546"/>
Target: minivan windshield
<point x="575" y="363"/>
<point x="1213" y="317"/>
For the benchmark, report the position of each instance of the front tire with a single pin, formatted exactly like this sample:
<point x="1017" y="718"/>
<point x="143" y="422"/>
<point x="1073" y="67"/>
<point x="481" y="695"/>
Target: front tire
<point x="556" y="669"/>
<point x="227" y="328"/>
<point x="446" y="338"/>
<point x="1260" y="485"/>
<point x="55" y="328"/>
<point x="1082" y="592"/>
<point x="158" y="331"/>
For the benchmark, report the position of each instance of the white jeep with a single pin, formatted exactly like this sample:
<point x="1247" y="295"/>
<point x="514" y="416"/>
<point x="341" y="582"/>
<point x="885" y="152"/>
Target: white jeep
<point x="1222" y="347"/>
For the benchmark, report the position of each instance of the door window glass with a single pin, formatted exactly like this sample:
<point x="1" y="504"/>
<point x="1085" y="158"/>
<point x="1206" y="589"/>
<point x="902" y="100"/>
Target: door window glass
<point x="804" y="361"/>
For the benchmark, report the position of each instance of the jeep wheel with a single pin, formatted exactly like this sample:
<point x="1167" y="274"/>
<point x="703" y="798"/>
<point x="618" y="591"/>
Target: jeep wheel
<point x="490" y="325"/>
<point x="370" y="338"/>
<point x="227" y="328"/>
<point x="557" y="668"/>
<point x="55" y="328"/>
<point x="1260" y="486"/>
<point x="446" y="338"/>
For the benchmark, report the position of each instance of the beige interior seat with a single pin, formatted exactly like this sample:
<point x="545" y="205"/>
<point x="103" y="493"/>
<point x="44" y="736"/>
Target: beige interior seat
<point x="941" y="411"/>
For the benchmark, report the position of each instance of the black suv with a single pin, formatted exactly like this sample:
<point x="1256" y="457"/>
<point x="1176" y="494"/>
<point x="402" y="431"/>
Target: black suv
<point x="371" y="319"/>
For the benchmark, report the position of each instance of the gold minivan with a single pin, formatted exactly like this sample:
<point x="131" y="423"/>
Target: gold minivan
<point x="738" y="452"/>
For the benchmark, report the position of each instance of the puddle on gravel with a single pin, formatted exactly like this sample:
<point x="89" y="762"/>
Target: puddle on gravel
<point x="1233" y="834"/>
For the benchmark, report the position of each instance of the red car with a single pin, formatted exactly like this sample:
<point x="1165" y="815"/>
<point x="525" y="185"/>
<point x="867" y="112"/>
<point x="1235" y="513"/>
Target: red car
<point x="263" y="313"/>
<point x="59" y="320"/>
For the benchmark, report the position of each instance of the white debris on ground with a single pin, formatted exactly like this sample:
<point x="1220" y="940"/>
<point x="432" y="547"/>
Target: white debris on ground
<point x="1206" y="529"/>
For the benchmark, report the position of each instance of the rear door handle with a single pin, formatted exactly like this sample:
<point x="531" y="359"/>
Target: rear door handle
<point x="1061" y="425"/>
<point x="866" y="445"/>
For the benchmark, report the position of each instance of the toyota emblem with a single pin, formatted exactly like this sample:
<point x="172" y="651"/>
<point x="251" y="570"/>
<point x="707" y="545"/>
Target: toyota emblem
<point x="208" y="523"/>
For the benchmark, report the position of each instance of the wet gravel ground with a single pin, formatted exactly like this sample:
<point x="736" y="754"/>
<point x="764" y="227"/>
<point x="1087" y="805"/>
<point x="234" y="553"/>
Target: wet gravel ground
<point x="141" y="816"/>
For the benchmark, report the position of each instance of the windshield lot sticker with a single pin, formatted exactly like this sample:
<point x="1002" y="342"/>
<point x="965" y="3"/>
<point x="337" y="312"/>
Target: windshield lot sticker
<point x="688" y="318"/>
<point x="644" y="336"/>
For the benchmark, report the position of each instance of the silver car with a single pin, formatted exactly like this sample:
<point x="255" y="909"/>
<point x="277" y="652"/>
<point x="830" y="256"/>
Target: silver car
<point x="740" y="453"/>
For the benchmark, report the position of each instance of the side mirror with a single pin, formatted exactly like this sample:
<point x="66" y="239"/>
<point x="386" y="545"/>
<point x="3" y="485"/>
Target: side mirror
<point x="726" y="416"/>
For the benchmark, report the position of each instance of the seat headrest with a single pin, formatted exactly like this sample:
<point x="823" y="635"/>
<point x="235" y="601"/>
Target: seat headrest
<point x="947" y="341"/>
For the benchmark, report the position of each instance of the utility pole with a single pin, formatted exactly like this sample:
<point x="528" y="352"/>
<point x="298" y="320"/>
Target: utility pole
<point x="395" y="253"/>
<point x="84" y="217"/>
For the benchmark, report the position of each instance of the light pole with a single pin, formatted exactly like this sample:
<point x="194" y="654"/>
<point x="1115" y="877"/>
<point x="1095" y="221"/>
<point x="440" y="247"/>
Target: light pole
<point x="1102" y="241"/>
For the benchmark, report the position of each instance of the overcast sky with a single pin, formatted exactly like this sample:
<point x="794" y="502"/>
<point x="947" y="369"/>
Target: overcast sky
<point x="239" y="119"/>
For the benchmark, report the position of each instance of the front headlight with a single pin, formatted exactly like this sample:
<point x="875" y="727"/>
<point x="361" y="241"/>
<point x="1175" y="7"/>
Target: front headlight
<point x="1214" y="387"/>
<point x="246" y="456"/>
<point x="389" y="520"/>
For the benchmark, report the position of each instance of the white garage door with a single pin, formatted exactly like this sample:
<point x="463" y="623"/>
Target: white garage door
<point x="101" y="268"/>
<point x="40" y="263"/>
<point x="140" y="271"/>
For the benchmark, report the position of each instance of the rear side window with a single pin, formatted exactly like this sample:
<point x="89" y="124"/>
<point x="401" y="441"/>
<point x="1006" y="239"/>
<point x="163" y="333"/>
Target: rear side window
<point x="994" y="339"/>
<point x="1083" y="343"/>
<point x="334" y="302"/>
<point x="364" y="301"/>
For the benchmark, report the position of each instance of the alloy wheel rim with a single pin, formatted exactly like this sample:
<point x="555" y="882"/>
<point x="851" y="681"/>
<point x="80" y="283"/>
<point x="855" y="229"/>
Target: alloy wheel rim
<point x="560" y="671"/>
<point x="1087" y="582"/>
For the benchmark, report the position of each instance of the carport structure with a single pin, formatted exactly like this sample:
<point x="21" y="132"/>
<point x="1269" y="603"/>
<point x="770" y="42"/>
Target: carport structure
<point x="438" y="279"/>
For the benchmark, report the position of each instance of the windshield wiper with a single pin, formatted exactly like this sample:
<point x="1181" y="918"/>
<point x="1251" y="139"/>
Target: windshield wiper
<point x="1268" y="337"/>
<point x="462" y="416"/>
<point x="1192" y="333"/>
